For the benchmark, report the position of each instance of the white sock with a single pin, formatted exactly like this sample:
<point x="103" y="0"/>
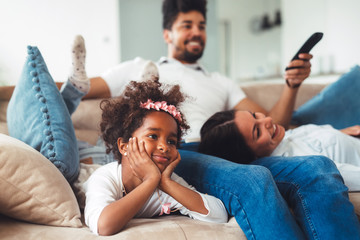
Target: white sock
<point x="150" y="72"/>
<point x="78" y="75"/>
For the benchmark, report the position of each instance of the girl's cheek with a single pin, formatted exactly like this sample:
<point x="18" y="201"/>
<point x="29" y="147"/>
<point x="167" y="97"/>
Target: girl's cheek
<point x="149" y="147"/>
<point x="174" y="153"/>
<point x="146" y="146"/>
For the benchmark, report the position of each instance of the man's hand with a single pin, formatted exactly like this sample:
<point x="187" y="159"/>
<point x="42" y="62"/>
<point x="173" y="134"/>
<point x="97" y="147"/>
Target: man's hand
<point x="140" y="162"/>
<point x="298" y="70"/>
<point x="352" y="131"/>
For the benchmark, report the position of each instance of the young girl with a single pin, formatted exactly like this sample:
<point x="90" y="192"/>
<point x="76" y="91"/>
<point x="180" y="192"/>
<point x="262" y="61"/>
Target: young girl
<point x="242" y="137"/>
<point x="143" y="129"/>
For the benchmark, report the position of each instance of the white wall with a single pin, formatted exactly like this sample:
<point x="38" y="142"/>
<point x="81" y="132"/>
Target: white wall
<point x="114" y="31"/>
<point x="263" y="55"/>
<point x="52" y="25"/>
<point x="339" y="49"/>
<point x="253" y="54"/>
<point x="141" y="29"/>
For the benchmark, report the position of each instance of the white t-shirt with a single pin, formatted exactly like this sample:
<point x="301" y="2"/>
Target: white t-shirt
<point x="324" y="140"/>
<point x="207" y="93"/>
<point x="104" y="186"/>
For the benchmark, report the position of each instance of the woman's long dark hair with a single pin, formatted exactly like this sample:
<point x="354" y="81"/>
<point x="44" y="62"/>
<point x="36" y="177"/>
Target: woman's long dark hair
<point x="220" y="137"/>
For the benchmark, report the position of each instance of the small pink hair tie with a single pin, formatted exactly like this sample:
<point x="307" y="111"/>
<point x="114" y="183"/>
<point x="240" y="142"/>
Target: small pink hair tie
<point x="162" y="106"/>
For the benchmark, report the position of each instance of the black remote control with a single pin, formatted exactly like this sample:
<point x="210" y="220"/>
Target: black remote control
<point x="308" y="45"/>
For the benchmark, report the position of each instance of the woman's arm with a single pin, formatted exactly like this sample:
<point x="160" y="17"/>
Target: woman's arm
<point x="352" y="131"/>
<point x="281" y="112"/>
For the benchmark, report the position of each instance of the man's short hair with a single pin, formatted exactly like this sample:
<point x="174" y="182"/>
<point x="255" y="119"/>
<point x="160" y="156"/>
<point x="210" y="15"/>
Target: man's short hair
<point x="171" y="9"/>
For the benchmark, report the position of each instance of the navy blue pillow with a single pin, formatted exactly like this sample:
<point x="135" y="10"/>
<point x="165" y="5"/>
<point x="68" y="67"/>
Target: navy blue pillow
<point x="37" y="115"/>
<point x="338" y="104"/>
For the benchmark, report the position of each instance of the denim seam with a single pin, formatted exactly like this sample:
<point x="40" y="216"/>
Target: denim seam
<point x="241" y="207"/>
<point x="305" y="207"/>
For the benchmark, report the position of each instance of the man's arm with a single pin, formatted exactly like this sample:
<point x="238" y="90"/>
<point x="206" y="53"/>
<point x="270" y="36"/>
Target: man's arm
<point x="6" y="92"/>
<point x="98" y="89"/>
<point x="282" y="111"/>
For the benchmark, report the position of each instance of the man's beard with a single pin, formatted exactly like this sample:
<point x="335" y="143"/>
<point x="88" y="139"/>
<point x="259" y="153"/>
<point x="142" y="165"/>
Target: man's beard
<point x="190" y="57"/>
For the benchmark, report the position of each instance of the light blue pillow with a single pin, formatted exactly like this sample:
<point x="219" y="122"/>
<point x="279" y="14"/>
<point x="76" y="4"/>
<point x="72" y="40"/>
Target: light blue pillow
<point x="338" y="104"/>
<point x="37" y="115"/>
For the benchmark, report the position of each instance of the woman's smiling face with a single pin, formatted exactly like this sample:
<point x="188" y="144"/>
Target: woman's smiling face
<point x="260" y="134"/>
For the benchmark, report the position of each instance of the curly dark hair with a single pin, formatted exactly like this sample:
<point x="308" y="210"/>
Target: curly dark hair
<point x="220" y="137"/>
<point x="123" y="115"/>
<point x="171" y="9"/>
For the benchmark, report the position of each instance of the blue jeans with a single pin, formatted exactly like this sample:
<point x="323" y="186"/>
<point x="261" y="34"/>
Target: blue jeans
<point x="71" y="96"/>
<point x="277" y="197"/>
<point x="337" y="104"/>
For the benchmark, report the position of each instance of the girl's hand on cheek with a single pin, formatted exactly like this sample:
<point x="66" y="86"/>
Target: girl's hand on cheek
<point x="166" y="174"/>
<point x="140" y="162"/>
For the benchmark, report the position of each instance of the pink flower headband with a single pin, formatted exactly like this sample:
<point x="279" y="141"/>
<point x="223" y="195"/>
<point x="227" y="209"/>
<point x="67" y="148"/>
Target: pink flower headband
<point x="162" y="106"/>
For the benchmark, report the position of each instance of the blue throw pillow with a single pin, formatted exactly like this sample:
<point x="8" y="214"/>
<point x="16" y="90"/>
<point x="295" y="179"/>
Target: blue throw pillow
<point x="338" y="104"/>
<point x="37" y="115"/>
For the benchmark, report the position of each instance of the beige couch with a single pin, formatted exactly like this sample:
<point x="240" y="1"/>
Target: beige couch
<point x="86" y="120"/>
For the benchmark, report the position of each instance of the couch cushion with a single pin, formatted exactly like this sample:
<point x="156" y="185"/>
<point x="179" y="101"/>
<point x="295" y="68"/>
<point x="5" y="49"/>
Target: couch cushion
<point x="32" y="188"/>
<point x="87" y="128"/>
<point x="160" y="228"/>
<point x="266" y="93"/>
<point x="38" y="116"/>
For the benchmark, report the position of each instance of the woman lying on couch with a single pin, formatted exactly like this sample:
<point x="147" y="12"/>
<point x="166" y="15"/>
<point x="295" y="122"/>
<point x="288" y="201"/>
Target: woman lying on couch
<point x="243" y="137"/>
